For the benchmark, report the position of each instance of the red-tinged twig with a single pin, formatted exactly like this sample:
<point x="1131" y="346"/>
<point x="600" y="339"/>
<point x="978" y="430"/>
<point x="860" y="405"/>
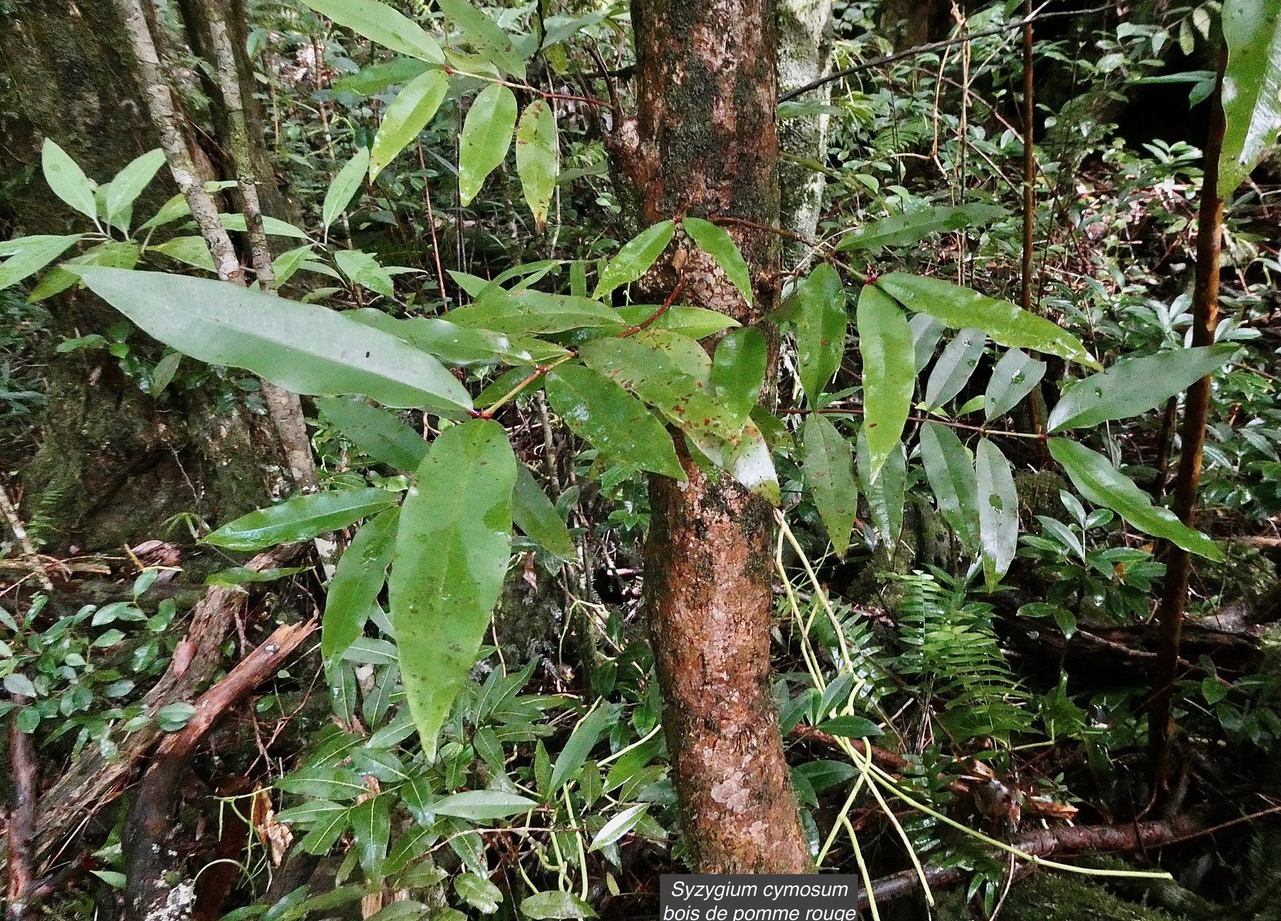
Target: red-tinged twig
<point x="859" y="411"/>
<point x="649" y="321"/>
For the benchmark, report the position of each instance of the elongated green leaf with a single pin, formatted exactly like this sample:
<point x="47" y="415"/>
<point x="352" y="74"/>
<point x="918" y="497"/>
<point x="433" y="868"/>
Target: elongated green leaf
<point x="955" y="367"/>
<point x="658" y="377"/>
<point x="926" y="333"/>
<point x="998" y="511"/>
<point x="364" y="270"/>
<point x="191" y="250"/>
<point x="460" y="345"/>
<point x="718" y="244"/>
<point x="487" y="133"/>
<point x="579" y="745"/>
<point x="116" y="254"/>
<point x="411" y="110"/>
<point x="485" y="35"/>
<point x="272" y="226"/>
<point x="618" y="826"/>
<point x="904" y="229"/>
<point x="611" y="420"/>
<point x="534" y="514"/>
<point x="555" y="904"/>
<point x="951" y="476"/>
<point x="534" y="312"/>
<point x="695" y="322"/>
<point x="482" y="805"/>
<point x="371" y="827"/>
<point x="885" y="496"/>
<point x="28" y="255"/>
<point x="345" y="185"/>
<point x="377" y="77"/>
<point x="379" y="23"/>
<point x="1101" y="483"/>
<point x="635" y="258"/>
<point x="962" y="308"/>
<point x="375" y="431"/>
<point x="885" y="342"/>
<point x="1134" y="386"/>
<point x="128" y="184"/>
<point x="67" y="180"/>
<point x="1012" y="379"/>
<point x="287" y="264"/>
<point x="828" y="462"/>
<point x="303" y="348"/>
<point x="357" y="580"/>
<point x="1251" y="87"/>
<point x="451" y="555"/>
<point x="738" y="370"/>
<point x="301" y="518"/>
<point x="746" y="458"/>
<point x="537" y="157"/>
<point x="819" y="324"/>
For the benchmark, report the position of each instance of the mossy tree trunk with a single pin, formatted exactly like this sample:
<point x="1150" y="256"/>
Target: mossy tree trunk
<point x="705" y="144"/>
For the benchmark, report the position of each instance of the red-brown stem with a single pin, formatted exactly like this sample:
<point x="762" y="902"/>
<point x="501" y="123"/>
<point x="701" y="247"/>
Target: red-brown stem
<point x="1174" y="597"/>
<point x="857" y="411"/>
<point x="667" y="304"/>
<point x="22" y="819"/>
<point x="431" y="226"/>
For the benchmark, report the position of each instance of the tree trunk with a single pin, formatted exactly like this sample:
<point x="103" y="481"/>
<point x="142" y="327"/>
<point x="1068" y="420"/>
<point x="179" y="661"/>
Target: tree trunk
<point x="804" y="55"/>
<point x="706" y="145"/>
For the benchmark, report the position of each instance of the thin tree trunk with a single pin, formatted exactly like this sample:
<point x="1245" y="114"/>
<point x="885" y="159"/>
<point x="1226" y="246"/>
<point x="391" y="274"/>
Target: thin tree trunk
<point x="705" y="144"/>
<point x="1174" y="597"/>
<point x="804" y="55"/>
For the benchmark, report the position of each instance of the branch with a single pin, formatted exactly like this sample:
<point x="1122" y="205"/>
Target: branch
<point x="934" y="46"/>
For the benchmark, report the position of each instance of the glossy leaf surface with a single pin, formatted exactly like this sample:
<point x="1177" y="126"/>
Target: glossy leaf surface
<point x="375" y="431"/>
<point x="738" y="370"/>
<point x="301" y="518"/>
<point x="67" y="180"/>
<point x="382" y="24"/>
<point x="28" y="255"/>
<point x="451" y="554"/>
<point x="635" y="257"/>
<point x="951" y="476"/>
<point x="1101" y="483"/>
<point x="1251" y="87"/>
<point x="411" y="110"/>
<point x="954" y="367"/>
<point x="905" y="229"/>
<point x="998" y="504"/>
<point x="885" y="343"/>
<point x="487" y="133"/>
<point x="828" y="463"/>
<point x="535" y="515"/>
<point x="819" y="324"/>
<point x="1012" y="379"/>
<point x="718" y="244"/>
<point x="128" y="184"/>
<point x="304" y="348"/>
<point x="357" y="580"/>
<point x="537" y="157"/>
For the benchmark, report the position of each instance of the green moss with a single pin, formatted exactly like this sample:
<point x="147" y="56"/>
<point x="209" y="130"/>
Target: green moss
<point x="1056" y="897"/>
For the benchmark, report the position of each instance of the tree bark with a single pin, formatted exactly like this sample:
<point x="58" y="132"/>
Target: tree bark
<point x="804" y="55"/>
<point x="705" y="144"/>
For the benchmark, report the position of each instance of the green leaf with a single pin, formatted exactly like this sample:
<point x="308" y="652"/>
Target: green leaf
<point x="1099" y="482"/>
<point x="478" y="892"/>
<point x="411" y="110"/>
<point x="951" y="476"/>
<point x="851" y="727"/>
<point x="379" y="23"/>
<point x="301" y="518"/>
<point x="345" y="185"/>
<point x="998" y="511"/>
<point x="375" y="78"/>
<point x="485" y="35"/>
<point x="187" y="250"/>
<point x="287" y="264"/>
<point x="1012" y="379"/>
<point x="658" y="377"/>
<point x="1004" y="323"/>
<point x="1134" y="386"/>
<point x="486" y="135"/>
<point x="746" y="458"/>
<point x="363" y="269"/>
<point x="375" y="431"/>
<point x="482" y="805"/>
<point x="371" y="827"/>
<point x="534" y="312"/>
<point x="694" y="322"/>
<point x="272" y="226"/>
<point x="820" y="323"/>
<point x="905" y="229"/>
<point x="579" y="745"/>
<point x="954" y="368"/>
<point x="67" y="180"/>
<point x="926" y="333"/>
<point x="535" y="515"/>
<point x="451" y="555"/>
<point x="1251" y="87"/>
<point x="28" y="255"/>
<point x="357" y="580"/>
<point x="302" y="347"/>
<point x="460" y="345"/>
<point x="618" y="826"/>
<point x="635" y="258"/>
<point x="885" y="342"/>
<point x="164" y="371"/>
<point x="128" y="184"/>
<point x="116" y="254"/>
<point x="555" y="904"/>
<point x="738" y="370"/>
<point x="885" y="496"/>
<point x="828" y="463"/>
<point x="537" y="158"/>
<point x="611" y="420"/>
<point x="718" y="244"/>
